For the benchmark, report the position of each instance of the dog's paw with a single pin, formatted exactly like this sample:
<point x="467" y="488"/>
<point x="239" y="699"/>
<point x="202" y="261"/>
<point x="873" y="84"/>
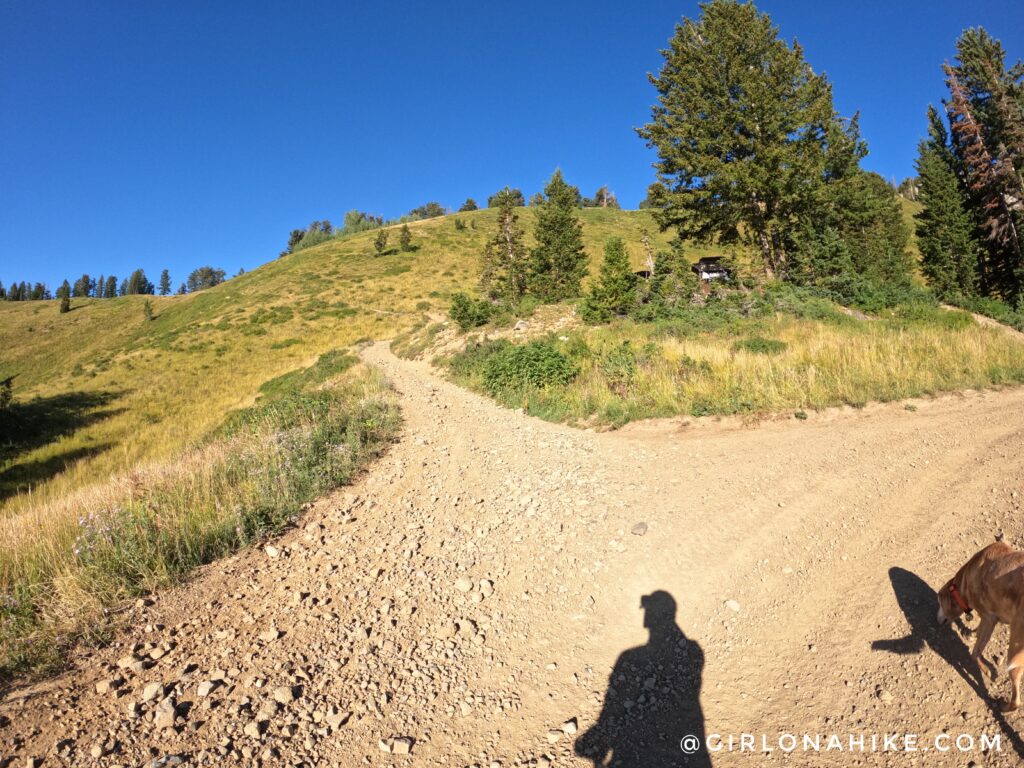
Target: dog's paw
<point x="1009" y="707"/>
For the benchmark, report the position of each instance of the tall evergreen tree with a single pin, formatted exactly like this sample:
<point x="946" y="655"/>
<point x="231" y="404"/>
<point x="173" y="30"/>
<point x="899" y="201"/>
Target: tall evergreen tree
<point x="182" y="289"/>
<point x="992" y="182"/>
<point x="558" y="263"/>
<point x="504" y="263"/>
<point x="3" y="291"/>
<point x="946" y="234"/>
<point x="508" y="195"/>
<point x="613" y="291"/>
<point x="64" y="290"/>
<point x="101" y="287"/>
<point x="745" y="131"/>
<point x="165" y="283"/>
<point x="110" y="292"/>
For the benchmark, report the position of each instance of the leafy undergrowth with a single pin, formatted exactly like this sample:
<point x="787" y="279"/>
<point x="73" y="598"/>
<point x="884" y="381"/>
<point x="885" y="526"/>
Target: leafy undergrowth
<point x="776" y="351"/>
<point x="64" y="564"/>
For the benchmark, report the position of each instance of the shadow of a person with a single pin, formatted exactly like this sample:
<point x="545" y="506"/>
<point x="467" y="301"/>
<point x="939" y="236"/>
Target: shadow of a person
<point x="919" y="605"/>
<point x="653" y="700"/>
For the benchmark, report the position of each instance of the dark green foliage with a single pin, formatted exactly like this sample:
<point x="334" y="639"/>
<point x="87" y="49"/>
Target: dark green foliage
<point x="405" y="238"/>
<point x="537" y="198"/>
<point x="469" y="205"/>
<point x="182" y="289"/>
<point x="506" y="196"/>
<point x="516" y="367"/>
<point x="459" y="224"/>
<point x="613" y="292"/>
<point x="946" y="233"/>
<point x="761" y="345"/>
<point x="65" y="304"/>
<point x="110" y="292"/>
<point x="601" y="199"/>
<point x="83" y="287"/>
<point x="429" y="211"/>
<point x="6" y="392"/>
<point x="64" y="291"/>
<point x="203" y="278"/>
<point x="147" y="309"/>
<point x="986" y="118"/>
<point x="380" y="242"/>
<point x="504" y="269"/>
<point x="853" y="246"/>
<point x="469" y="313"/>
<point x="558" y="263"/>
<point x="745" y="131"/>
<point x="165" y="283"/>
<point x="669" y="289"/>
<point x="137" y="284"/>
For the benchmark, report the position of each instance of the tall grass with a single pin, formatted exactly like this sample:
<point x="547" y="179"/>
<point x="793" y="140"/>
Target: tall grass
<point x="65" y="563"/>
<point x="736" y="365"/>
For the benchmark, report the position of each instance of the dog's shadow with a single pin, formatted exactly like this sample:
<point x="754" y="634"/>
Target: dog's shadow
<point x="917" y="601"/>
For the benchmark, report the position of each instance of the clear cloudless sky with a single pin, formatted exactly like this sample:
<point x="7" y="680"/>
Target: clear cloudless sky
<point x="177" y="133"/>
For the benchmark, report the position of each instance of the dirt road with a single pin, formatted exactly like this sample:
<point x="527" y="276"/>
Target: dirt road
<point x="499" y="591"/>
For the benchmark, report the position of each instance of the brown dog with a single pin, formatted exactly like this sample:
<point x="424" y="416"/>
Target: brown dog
<point x="992" y="583"/>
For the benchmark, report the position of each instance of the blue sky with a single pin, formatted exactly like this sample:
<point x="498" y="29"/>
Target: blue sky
<point x="175" y="134"/>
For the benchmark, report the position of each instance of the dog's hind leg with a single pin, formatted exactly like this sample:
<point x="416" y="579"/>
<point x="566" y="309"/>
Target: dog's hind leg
<point x="1015" y="663"/>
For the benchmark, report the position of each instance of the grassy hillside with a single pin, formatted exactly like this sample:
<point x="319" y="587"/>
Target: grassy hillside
<point x="105" y="389"/>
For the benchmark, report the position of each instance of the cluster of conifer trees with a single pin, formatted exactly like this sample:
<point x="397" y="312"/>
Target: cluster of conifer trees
<point x="971" y="178"/>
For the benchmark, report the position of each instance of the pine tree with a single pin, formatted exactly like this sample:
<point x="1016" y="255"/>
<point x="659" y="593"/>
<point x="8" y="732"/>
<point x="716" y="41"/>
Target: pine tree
<point x="405" y="238"/>
<point x="558" y="263"/>
<point x="64" y="291"/>
<point x="165" y="283"/>
<point x="945" y="229"/>
<point x="505" y="196"/>
<point x="745" y="131"/>
<point x="182" y="290"/>
<point x="380" y="242"/>
<point x="101" y="287"/>
<point x="991" y="182"/>
<point x="65" y="304"/>
<point x="504" y="263"/>
<point x="111" y="290"/>
<point x="613" y="292"/>
<point x="3" y="291"/>
<point x="469" y="205"/>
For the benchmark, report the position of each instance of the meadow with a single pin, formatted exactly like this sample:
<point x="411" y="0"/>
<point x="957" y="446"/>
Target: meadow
<point x="776" y="351"/>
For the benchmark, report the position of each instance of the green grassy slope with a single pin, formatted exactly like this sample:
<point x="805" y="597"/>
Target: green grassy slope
<point x="111" y="389"/>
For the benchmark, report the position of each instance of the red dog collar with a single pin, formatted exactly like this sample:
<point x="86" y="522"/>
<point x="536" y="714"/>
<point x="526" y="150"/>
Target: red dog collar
<point x="959" y="599"/>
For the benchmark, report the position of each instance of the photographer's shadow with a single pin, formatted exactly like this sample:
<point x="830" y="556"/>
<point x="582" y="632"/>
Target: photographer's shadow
<point x="918" y="603"/>
<point x="653" y="700"/>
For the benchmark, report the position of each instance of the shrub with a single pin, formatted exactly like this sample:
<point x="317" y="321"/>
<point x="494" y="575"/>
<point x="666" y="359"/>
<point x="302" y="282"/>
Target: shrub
<point x="619" y="368"/>
<point x="517" y="367"/>
<point x="760" y="346"/>
<point x="470" y="313"/>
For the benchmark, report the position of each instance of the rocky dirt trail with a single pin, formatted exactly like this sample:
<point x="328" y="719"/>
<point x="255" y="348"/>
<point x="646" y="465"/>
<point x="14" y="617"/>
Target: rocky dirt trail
<point x="499" y="591"/>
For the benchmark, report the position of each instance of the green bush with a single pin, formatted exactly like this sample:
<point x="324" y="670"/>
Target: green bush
<point x="469" y="313"/>
<point x="517" y="367"/>
<point x="760" y="345"/>
<point x="619" y="367"/>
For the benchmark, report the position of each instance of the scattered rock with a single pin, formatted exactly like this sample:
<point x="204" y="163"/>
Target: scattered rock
<point x="554" y="735"/>
<point x="285" y="694"/>
<point x="152" y="691"/>
<point x="402" y="745"/>
<point x="205" y="688"/>
<point x="569" y="727"/>
<point x="639" y="529"/>
<point x="464" y="584"/>
<point x="732" y="605"/>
